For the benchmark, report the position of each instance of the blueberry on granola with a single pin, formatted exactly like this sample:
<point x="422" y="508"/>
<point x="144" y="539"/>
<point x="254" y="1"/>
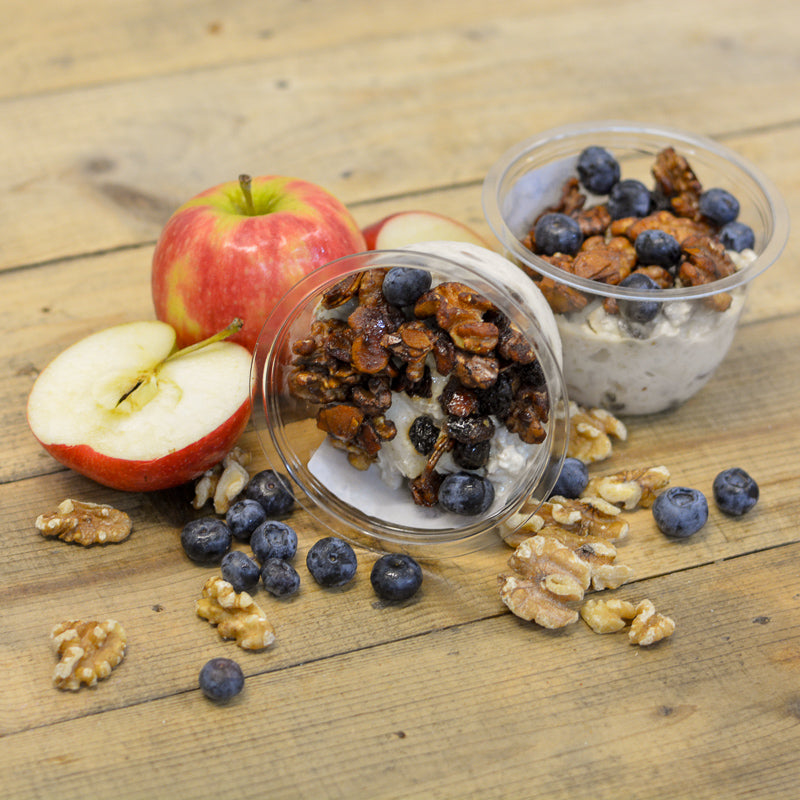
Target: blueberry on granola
<point x="680" y="511"/>
<point x="597" y="169"/>
<point x="274" y="539"/>
<point x="737" y="236"/>
<point x="735" y="492"/>
<point x="718" y="205"/>
<point x="557" y="233"/>
<point x="466" y="493"/>
<point x="243" y="517"/>
<point x="659" y="248"/>
<point x="272" y="490"/>
<point x="629" y="198"/>
<point x="396" y="576"/>
<point x="639" y="311"/>
<point x="240" y="571"/>
<point x="403" y="286"/>
<point x="206" y="540"/>
<point x="331" y="562"/>
<point x="221" y="679"/>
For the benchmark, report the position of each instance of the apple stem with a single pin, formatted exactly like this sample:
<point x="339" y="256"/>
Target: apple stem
<point x="245" y="182"/>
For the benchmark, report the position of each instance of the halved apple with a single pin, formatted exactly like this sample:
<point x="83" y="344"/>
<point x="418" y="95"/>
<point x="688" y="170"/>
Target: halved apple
<point x="411" y="227"/>
<point x="123" y="408"/>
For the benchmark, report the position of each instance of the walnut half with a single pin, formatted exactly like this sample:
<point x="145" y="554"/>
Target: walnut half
<point x="85" y="523"/>
<point x="236" y="615"/>
<point x="88" y="651"/>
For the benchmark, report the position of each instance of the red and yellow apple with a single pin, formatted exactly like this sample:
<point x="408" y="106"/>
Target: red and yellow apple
<point x="412" y="227"/>
<point x="126" y="409"/>
<point x="235" y="249"/>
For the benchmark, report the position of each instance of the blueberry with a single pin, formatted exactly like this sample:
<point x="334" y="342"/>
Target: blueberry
<point x="680" y="512"/>
<point x="280" y="578"/>
<point x="737" y="236"/>
<point x="396" y="576"/>
<point x="273" y="539"/>
<point x="719" y="206"/>
<point x="639" y="311"/>
<point x="403" y="286"/>
<point x="572" y="479"/>
<point x="557" y="233"/>
<point x="206" y="540"/>
<point x="735" y="492"/>
<point x="629" y="198"/>
<point x="272" y="490"/>
<point x="331" y="562"/>
<point x="472" y="455"/>
<point x="598" y="170"/>
<point x="243" y="517"/>
<point x="659" y="248"/>
<point x="466" y="493"/>
<point x="221" y="679"/>
<point x="423" y="434"/>
<point x="240" y="571"/>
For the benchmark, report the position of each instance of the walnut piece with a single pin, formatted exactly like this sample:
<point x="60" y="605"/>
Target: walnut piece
<point x="546" y="577"/>
<point x="602" y="558"/>
<point x="85" y="523"/>
<point x="649" y="626"/>
<point x="236" y="615"/>
<point x="629" y="489"/>
<point x="224" y="482"/>
<point x="88" y="650"/>
<point x="590" y="432"/>
<point x="607" y="616"/>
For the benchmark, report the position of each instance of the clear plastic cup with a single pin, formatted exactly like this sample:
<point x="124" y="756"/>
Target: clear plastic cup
<point x="622" y="366"/>
<point x="358" y="504"/>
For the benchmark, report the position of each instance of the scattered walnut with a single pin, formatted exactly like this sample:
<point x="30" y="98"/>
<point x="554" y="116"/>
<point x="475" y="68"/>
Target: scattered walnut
<point x="590" y="432"/>
<point x="602" y="557"/>
<point x="236" y="615"/>
<point x="224" y="482"/>
<point x="607" y="616"/>
<point x="85" y="523"/>
<point x="88" y="650"/>
<point x="649" y="626"/>
<point x="546" y="577"/>
<point x="629" y="489"/>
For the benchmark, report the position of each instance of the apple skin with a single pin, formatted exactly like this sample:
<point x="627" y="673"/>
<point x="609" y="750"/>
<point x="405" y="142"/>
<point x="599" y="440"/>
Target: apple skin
<point x="158" y="473"/>
<point x="214" y="261"/>
<point x="412" y="227"/>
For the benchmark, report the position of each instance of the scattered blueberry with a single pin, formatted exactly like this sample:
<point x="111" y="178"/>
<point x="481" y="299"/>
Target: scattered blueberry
<point x="572" y="479"/>
<point x="280" y="578"/>
<point x="719" y="206"/>
<point x="629" y="198"/>
<point x="403" y="286"/>
<point x="243" y="517"/>
<point x="396" y="576"/>
<point x="472" y="455"/>
<point x="331" y="562"/>
<point x="659" y="248"/>
<point x="680" y="512"/>
<point x="221" y="679"/>
<point x="240" y="571"/>
<point x="557" y="233"/>
<point x="735" y="492"/>
<point x="272" y="490"/>
<point x="206" y="540"/>
<point x="598" y="170"/>
<point x="639" y="311"/>
<point x="737" y="236"/>
<point x="423" y="434"/>
<point x="466" y="493"/>
<point x="273" y="539"/>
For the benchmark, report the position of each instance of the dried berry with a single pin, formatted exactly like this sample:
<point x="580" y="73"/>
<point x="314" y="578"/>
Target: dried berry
<point x="423" y="434"/>
<point x="472" y="455"/>
<point x="470" y="430"/>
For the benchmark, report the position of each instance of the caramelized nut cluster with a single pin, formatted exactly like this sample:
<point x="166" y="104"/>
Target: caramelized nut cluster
<point x="607" y="253"/>
<point x="351" y="363"/>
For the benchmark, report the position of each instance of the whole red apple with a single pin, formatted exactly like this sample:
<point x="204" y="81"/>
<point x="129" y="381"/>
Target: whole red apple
<point x="235" y="249"/>
<point x="122" y="407"/>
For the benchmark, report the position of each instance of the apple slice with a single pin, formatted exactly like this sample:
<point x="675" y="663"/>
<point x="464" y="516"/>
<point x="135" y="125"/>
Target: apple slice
<point x="411" y="227"/>
<point x="124" y="409"/>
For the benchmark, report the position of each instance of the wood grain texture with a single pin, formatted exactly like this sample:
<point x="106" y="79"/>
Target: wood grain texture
<point x="111" y="115"/>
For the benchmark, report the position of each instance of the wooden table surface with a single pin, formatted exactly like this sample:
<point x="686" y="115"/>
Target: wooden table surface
<point x="111" y="115"/>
